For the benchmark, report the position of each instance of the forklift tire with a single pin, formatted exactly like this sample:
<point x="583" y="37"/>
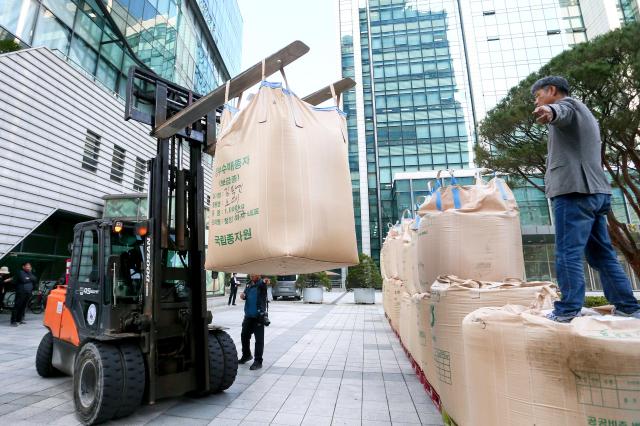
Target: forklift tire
<point x="216" y="365"/>
<point x="230" y="359"/>
<point x="43" y="357"/>
<point x="97" y="382"/>
<point x="134" y="381"/>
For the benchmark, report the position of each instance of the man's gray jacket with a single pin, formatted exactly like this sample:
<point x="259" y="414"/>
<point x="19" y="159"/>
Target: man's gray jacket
<point x="574" y="163"/>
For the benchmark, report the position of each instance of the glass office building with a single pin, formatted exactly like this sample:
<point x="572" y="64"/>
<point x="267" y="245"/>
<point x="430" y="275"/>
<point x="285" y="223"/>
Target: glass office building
<point x="427" y="72"/>
<point x="195" y="44"/>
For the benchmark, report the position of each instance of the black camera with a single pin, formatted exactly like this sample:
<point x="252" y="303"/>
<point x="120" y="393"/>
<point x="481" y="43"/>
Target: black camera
<point x="263" y="318"/>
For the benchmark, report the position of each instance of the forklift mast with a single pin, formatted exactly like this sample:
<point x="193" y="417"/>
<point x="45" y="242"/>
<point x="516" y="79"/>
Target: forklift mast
<point x="183" y="120"/>
<point x="176" y="215"/>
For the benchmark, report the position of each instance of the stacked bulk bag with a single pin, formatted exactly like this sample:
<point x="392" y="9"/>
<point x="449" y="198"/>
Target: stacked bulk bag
<point x="452" y="299"/>
<point x="523" y="369"/>
<point x="604" y="361"/>
<point x="409" y="257"/>
<point x="404" y="318"/>
<point x="390" y="253"/>
<point x="281" y="198"/>
<point x="386" y="294"/>
<point x="412" y="328"/>
<point x="397" y="290"/>
<point x="470" y="231"/>
<point x="424" y="337"/>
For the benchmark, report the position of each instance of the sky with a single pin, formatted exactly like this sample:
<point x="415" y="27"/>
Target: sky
<point x="269" y="25"/>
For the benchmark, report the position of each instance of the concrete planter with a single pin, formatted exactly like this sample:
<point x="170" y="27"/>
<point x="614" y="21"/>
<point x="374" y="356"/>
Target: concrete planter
<point x="313" y="294"/>
<point x="364" y="295"/>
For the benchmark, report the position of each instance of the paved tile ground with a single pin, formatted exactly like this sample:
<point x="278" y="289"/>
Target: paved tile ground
<point x="331" y="364"/>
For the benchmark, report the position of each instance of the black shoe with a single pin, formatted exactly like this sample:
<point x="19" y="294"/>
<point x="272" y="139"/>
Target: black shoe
<point x="244" y="359"/>
<point x="14" y="324"/>
<point x="233" y="304"/>
<point x="23" y="322"/>
<point x="256" y="366"/>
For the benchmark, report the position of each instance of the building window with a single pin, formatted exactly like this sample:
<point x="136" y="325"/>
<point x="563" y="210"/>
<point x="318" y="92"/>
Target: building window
<point x="139" y="174"/>
<point x="117" y="163"/>
<point x="91" y="151"/>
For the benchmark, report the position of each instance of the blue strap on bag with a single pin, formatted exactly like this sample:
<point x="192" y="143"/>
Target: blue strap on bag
<point x="455" y="192"/>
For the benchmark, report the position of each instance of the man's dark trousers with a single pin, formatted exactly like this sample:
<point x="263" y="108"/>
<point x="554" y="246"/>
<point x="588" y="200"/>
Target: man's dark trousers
<point x="252" y="326"/>
<point x="17" y="315"/>
<point x="581" y="229"/>
<point x="233" y="290"/>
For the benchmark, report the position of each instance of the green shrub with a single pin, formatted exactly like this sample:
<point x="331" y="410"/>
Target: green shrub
<point x="316" y="279"/>
<point x="591" y="301"/>
<point x="364" y="275"/>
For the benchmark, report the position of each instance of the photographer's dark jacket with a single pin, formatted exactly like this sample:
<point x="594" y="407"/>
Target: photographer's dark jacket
<point x="255" y="302"/>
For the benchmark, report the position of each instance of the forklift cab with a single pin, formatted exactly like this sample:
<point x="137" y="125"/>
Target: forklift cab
<point x="107" y="269"/>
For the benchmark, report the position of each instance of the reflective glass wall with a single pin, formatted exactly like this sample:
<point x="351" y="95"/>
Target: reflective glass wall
<point x="509" y="39"/>
<point x="629" y="10"/>
<point x="349" y="56"/>
<point x="106" y="37"/>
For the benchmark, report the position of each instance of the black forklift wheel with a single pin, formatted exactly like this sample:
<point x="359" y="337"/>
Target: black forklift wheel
<point x="135" y="379"/>
<point x="230" y="356"/>
<point x="43" y="357"/>
<point x="97" y="382"/>
<point x="216" y="365"/>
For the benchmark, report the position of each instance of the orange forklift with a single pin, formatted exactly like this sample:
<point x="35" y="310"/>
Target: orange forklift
<point x="132" y="325"/>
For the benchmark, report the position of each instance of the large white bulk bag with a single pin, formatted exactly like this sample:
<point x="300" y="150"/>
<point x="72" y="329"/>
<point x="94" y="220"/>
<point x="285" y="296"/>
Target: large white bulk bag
<point x="470" y="231"/>
<point x="405" y="319"/>
<point x="391" y="254"/>
<point x="523" y="369"/>
<point x="397" y="291"/>
<point x="409" y="258"/>
<point x="425" y="341"/>
<point x="452" y="299"/>
<point x="388" y="253"/>
<point x="281" y="199"/>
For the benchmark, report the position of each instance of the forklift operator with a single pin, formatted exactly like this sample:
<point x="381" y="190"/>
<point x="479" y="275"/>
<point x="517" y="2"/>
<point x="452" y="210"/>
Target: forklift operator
<point x="255" y="308"/>
<point x="130" y="251"/>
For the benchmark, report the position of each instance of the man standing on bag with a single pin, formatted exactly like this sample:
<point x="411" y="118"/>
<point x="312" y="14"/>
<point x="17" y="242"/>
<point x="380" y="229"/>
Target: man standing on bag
<point x="581" y="196"/>
<point x="24" y="282"/>
<point x="233" y="289"/>
<point x="255" y="306"/>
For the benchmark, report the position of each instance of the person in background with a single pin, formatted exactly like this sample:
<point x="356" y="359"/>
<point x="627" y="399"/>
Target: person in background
<point x="255" y="306"/>
<point x="25" y="282"/>
<point x="581" y="197"/>
<point x="5" y="278"/>
<point x="233" y="289"/>
<point x="269" y="284"/>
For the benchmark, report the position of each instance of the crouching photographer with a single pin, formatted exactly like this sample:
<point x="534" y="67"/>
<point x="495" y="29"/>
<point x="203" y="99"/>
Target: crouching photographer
<point x="255" y="319"/>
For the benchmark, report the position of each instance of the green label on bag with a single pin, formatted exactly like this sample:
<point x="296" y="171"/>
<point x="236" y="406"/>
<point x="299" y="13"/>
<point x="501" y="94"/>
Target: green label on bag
<point x="433" y="315"/>
<point x="229" y="239"/>
<point x="232" y="165"/>
<point x="227" y="206"/>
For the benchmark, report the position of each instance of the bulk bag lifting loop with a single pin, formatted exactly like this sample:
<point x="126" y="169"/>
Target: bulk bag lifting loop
<point x="455" y="192"/>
